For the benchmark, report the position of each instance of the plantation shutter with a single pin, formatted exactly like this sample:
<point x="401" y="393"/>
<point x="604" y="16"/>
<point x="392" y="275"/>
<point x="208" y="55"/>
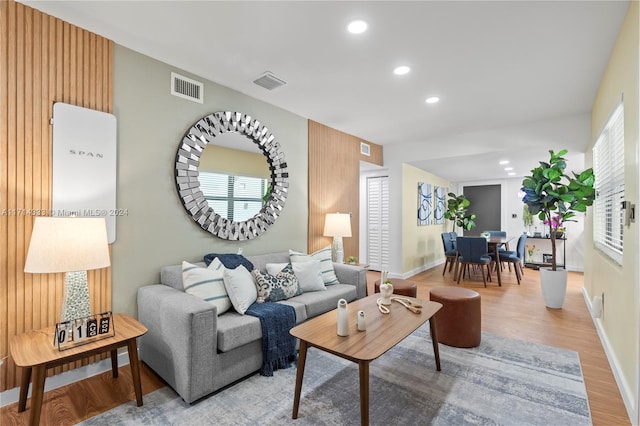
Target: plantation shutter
<point x="378" y="223"/>
<point x="608" y="167"/>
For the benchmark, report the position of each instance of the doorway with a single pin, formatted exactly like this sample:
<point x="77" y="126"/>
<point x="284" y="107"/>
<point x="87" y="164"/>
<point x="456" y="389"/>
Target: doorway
<point x="378" y="223"/>
<point x="486" y="204"/>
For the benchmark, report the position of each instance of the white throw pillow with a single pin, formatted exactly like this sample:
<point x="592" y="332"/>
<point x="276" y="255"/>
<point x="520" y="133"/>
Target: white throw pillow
<point x="324" y="256"/>
<point x="241" y="288"/>
<point x="216" y="265"/>
<point x="274" y="268"/>
<point x="309" y="275"/>
<point x="206" y="284"/>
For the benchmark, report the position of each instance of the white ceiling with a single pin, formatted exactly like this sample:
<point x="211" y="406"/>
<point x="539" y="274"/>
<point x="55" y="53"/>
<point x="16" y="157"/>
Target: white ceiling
<point x="494" y="64"/>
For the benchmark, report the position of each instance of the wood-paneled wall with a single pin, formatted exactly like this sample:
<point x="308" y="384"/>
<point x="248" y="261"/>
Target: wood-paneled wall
<point x="334" y="182"/>
<point x="43" y="60"/>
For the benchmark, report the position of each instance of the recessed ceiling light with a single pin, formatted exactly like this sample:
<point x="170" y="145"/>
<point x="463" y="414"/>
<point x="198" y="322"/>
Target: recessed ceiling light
<point x="504" y="162"/>
<point x="401" y="70"/>
<point x="432" y="100"/>
<point x="508" y="168"/>
<point x="511" y="173"/>
<point x="357" y="27"/>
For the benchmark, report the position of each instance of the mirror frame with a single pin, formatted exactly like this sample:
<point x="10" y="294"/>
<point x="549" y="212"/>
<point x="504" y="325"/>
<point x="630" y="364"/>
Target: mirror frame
<point x="203" y="132"/>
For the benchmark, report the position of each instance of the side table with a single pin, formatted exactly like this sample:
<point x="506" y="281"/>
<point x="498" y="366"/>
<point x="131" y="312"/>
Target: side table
<point x="34" y="352"/>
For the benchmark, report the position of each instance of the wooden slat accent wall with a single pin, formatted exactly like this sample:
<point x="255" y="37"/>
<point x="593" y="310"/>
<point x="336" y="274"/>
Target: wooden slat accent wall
<point x="43" y="60"/>
<point x="334" y="182"/>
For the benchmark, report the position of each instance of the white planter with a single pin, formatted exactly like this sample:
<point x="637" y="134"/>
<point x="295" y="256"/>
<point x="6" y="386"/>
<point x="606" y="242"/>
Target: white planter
<point x="554" y="286"/>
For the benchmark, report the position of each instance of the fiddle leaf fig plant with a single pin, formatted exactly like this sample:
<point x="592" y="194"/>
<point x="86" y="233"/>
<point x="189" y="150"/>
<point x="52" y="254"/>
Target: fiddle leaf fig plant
<point x="556" y="197"/>
<point x="457" y="207"/>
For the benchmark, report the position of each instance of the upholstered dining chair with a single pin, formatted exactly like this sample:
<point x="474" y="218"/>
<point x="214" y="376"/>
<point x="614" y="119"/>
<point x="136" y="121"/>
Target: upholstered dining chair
<point x="473" y="251"/>
<point x="501" y="247"/>
<point x="450" y="252"/>
<point x="516" y="257"/>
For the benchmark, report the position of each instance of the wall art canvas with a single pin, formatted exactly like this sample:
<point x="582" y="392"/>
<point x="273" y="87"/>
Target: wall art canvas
<point x="425" y="204"/>
<point x="440" y="194"/>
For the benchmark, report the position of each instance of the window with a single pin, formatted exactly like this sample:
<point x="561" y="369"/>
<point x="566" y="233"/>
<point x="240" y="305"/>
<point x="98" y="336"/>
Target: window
<point x="608" y="166"/>
<point x="237" y="198"/>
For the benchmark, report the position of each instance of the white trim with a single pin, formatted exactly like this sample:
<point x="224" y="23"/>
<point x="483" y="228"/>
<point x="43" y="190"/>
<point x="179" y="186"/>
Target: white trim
<point x="12" y="395"/>
<point x="625" y="388"/>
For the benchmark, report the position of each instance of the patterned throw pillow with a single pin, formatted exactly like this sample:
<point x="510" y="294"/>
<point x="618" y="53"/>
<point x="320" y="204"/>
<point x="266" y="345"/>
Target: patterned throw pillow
<point x="272" y="288"/>
<point x="326" y="264"/>
<point x="206" y="284"/>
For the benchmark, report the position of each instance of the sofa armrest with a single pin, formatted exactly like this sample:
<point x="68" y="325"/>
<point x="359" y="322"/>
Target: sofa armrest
<point x="353" y="275"/>
<point x="181" y="343"/>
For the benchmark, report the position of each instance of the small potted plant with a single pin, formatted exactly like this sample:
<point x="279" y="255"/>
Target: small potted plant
<point x="352" y="260"/>
<point x="555" y="226"/>
<point x="527" y="219"/>
<point x="552" y="194"/>
<point x="386" y="289"/>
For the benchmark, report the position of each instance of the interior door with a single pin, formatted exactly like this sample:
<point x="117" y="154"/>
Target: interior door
<point x="486" y="205"/>
<point x="378" y="223"/>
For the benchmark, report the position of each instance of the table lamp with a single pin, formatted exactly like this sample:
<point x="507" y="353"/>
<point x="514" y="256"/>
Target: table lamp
<point x="337" y="225"/>
<point x="71" y="245"/>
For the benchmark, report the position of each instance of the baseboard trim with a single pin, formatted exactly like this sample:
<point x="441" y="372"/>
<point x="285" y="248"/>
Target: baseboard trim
<point x="625" y="389"/>
<point x="11" y="396"/>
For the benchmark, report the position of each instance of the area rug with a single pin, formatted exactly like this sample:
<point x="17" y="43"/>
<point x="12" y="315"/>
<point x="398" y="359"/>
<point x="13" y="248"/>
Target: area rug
<point x="501" y="382"/>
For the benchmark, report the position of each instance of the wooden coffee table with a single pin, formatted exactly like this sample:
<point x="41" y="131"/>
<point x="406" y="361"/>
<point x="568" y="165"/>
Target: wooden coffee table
<point x="383" y="332"/>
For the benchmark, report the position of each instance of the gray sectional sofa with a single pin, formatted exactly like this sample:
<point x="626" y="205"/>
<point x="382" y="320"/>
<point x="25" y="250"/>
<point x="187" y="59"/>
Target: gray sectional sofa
<point x="198" y="352"/>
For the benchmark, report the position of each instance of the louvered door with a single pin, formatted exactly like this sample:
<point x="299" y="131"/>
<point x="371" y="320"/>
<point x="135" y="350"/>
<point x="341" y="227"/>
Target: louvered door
<point x="378" y="223"/>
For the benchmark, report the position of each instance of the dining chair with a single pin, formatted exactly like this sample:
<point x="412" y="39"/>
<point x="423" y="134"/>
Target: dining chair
<point x="473" y="251"/>
<point x="517" y="257"/>
<point x="450" y="252"/>
<point x="501" y="247"/>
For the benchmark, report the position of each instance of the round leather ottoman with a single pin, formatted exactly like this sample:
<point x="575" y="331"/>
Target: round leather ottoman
<point x="458" y="323"/>
<point x="400" y="287"/>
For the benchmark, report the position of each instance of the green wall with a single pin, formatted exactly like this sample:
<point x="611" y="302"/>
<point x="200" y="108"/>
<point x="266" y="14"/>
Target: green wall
<point x="157" y="230"/>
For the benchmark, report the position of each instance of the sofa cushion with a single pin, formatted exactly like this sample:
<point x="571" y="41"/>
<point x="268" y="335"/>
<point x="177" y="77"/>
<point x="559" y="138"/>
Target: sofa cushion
<point x="206" y="284"/>
<point x="241" y="288"/>
<point x="235" y="330"/>
<point x="319" y="302"/>
<point x="260" y="260"/>
<point x="324" y="256"/>
<point x="301" y="310"/>
<point x="280" y="286"/>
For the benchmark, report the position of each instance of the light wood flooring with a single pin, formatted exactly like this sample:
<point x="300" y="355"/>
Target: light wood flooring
<point x="512" y="310"/>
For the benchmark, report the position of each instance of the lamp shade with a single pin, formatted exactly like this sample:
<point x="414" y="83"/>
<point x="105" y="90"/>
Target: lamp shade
<point x="337" y="225"/>
<point x="65" y="244"/>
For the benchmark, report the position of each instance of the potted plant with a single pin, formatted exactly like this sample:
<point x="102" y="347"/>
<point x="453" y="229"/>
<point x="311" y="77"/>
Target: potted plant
<point x="457" y="207"/>
<point x="555" y="198"/>
<point x="527" y="218"/>
<point x="555" y="225"/>
<point x="352" y="260"/>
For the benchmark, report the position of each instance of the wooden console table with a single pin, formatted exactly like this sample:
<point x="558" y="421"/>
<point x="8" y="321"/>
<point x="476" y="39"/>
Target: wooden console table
<point x="34" y="352"/>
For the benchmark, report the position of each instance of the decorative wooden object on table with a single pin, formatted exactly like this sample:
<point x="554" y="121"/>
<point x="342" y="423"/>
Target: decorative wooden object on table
<point x="35" y="352"/>
<point x="383" y="332"/>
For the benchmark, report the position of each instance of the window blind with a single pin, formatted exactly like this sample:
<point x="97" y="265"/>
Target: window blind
<point x="238" y="198"/>
<point x="608" y="167"/>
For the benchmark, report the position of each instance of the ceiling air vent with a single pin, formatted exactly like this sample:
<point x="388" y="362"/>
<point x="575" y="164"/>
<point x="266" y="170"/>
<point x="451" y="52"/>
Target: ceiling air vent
<point x="365" y="149"/>
<point x="269" y="81"/>
<point x="186" y="88"/>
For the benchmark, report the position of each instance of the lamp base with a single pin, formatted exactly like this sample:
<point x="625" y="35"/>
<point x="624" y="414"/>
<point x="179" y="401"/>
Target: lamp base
<point x="75" y="303"/>
<point x="337" y="252"/>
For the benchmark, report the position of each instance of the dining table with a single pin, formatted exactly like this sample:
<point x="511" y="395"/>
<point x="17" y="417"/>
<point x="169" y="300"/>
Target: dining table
<point x="494" y="244"/>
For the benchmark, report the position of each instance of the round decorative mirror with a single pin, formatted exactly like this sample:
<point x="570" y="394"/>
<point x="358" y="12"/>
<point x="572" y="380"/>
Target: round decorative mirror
<point x="254" y="191"/>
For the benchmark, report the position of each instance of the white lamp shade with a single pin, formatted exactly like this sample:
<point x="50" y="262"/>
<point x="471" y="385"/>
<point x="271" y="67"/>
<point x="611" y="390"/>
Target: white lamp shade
<point x="337" y="225"/>
<point x="65" y="244"/>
